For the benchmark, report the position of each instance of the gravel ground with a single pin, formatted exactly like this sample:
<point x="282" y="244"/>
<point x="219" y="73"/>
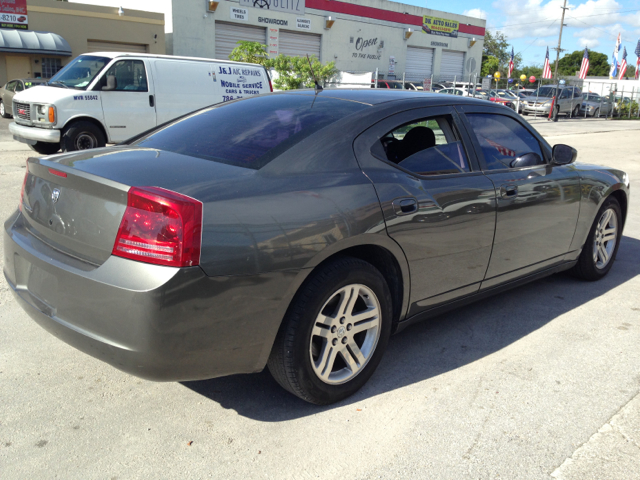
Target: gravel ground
<point x="542" y="381"/>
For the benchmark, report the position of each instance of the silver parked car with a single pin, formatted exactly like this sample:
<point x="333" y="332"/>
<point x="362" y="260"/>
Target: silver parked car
<point x="539" y="102"/>
<point x="11" y="88"/>
<point x="595" y="105"/>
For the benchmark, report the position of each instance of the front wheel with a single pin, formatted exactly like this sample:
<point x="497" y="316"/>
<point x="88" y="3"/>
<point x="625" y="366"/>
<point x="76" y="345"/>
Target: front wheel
<point x="334" y="333"/>
<point x="81" y="135"/>
<point x="601" y="247"/>
<point x="3" y="112"/>
<point x="44" y="148"/>
<point x="596" y="114"/>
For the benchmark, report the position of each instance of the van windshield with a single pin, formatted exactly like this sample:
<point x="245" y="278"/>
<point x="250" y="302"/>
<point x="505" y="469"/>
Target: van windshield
<point x="79" y="73"/>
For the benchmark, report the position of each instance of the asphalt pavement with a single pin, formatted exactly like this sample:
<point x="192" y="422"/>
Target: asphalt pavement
<point x="540" y="382"/>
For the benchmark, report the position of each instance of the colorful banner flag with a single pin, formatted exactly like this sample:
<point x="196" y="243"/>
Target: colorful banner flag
<point x="613" y="73"/>
<point x="623" y="65"/>
<point x="546" y="70"/>
<point x="584" y="68"/>
<point x="510" y="64"/>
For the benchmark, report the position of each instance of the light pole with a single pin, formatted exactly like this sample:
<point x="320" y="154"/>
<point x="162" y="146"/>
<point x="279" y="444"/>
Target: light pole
<point x="556" y="107"/>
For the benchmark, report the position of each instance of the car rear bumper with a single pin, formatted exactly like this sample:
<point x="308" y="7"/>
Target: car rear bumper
<point x="155" y="322"/>
<point x="31" y="135"/>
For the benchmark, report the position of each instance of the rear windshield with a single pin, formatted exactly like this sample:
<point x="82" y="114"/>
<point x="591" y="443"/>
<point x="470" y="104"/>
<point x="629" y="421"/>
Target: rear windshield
<point x="252" y="132"/>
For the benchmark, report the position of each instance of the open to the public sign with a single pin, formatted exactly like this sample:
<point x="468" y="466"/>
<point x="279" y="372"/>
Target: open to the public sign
<point x="13" y="14"/>
<point x="287" y="6"/>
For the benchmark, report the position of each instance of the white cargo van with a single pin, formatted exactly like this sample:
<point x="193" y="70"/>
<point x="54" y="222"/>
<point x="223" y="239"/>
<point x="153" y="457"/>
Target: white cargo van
<point x="108" y="97"/>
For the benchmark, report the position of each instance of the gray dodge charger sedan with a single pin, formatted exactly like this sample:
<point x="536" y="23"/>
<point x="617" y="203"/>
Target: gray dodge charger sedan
<point x="299" y="231"/>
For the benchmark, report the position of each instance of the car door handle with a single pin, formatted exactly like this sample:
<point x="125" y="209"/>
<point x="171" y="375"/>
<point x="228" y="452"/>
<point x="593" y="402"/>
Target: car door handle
<point x="508" y="191"/>
<point x="405" y="206"/>
<point x="151" y="101"/>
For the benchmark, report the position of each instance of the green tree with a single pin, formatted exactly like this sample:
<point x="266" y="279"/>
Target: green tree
<point x="295" y="72"/>
<point x="250" y="52"/>
<point x="571" y="63"/>
<point x="490" y="65"/>
<point x="496" y="46"/>
<point x="631" y="71"/>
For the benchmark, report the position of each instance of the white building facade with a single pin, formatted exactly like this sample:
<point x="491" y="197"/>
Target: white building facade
<point x="395" y="39"/>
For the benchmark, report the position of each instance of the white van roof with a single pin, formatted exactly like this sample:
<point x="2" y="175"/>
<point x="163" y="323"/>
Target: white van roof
<point x="169" y="57"/>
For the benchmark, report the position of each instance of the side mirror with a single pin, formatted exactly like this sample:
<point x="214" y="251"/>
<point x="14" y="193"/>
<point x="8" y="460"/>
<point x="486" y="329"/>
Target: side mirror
<point x="527" y="160"/>
<point x="112" y="83"/>
<point x="563" y="154"/>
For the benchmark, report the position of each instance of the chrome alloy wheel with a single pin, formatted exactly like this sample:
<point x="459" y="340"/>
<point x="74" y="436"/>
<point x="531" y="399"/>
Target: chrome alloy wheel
<point x="86" y="140"/>
<point x="345" y="334"/>
<point x="605" y="238"/>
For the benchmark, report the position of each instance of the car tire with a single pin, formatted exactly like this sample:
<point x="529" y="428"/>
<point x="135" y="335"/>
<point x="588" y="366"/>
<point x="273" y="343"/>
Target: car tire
<point x="318" y="355"/>
<point x="576" y="111"/>
<point x="596" y="114"/>
<point x="81" y="135"/>
<point x="600" y="249"/>
<point x="3" y="112"/>
<point x="45" y="148"/>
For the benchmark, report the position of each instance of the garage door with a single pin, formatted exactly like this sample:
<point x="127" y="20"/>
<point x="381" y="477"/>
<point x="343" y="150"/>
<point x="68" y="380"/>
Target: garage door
<point x="102" y="46"/>
<point x="419" y="63"/>
<point x="452" y="65"/>
<point x="297" y="44"/>
<point x="228" y="35"/>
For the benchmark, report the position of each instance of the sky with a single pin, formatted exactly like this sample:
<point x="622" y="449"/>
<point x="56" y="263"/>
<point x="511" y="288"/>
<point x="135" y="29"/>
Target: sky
<point x="530" y="25"/>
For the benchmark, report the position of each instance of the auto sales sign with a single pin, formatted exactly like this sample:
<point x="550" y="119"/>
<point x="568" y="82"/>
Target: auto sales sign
<point x="440" y="26"/>
<point x="13" y="14"/>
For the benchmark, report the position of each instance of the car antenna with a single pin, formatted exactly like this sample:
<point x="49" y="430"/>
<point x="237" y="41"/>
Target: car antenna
<point x="317" y="87"/>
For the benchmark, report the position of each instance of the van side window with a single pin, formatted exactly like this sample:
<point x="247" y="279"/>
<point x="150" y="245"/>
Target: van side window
<point x="131" y="76"/>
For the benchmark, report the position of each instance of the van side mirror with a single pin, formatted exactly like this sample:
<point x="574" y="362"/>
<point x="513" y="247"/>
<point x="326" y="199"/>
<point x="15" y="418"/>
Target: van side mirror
<point x="530" y="159"/>
<point x="563" y="154"/>
<point x="112" y="83"/>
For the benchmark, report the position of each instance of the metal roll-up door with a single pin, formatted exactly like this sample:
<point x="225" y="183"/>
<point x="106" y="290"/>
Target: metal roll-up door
<point x="419" y="64"/>
<point x="452" y="65"/>
<point x="102" y="46"/>
<point x="228" y="35"/>
<point x="296" y="44"/>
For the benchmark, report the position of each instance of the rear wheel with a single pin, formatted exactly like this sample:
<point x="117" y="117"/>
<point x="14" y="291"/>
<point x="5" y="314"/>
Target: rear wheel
<point x="601" y="247"/>
<point x="576" y="111"/>
<point x="44" y="148"/>
<point x="3" y="112"/>
<point x="81" y="136"/>
<point x="334" y="333"/>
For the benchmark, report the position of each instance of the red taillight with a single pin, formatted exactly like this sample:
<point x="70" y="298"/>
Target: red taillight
<point x="57" y="173"/>
<point x="160" y="227"/>
<point x="24" y="184"/>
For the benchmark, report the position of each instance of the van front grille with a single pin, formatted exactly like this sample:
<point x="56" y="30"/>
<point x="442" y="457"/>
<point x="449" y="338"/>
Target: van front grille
<point x="23" y="111"/>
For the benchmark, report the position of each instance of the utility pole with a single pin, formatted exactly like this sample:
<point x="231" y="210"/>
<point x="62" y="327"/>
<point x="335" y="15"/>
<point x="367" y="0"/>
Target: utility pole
<point x="556" y="107"/>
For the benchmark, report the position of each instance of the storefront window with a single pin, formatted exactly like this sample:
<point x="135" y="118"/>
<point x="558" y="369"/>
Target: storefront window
<point x="50" y="66"/>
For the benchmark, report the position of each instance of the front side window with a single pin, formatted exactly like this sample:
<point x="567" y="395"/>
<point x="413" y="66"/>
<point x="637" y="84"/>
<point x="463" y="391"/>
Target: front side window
<point x="503" y="139"/>
<point x="130" y="76"/>
<point x="429" y="146"/>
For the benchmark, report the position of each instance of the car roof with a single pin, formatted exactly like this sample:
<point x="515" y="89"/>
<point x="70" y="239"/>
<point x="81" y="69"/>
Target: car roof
<point x="171" y="57"/>
<point x="378" y="96"/>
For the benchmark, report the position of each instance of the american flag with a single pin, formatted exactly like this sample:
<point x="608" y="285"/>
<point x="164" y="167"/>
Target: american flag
<point x="546" y="70"/>
<point x="638" y="61"/>
<point x="510" y="64"/>
<point x="584" y="69"/>
<point x="501" y="148"/>
<point x="623" y="65"/>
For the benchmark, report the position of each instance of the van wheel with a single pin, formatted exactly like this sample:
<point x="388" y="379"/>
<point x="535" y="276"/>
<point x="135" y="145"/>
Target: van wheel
<point x="44" y="148"/>
<point x="334" y="333"/>
<point x="3" y="112"/>
<point x="81" y="136"/>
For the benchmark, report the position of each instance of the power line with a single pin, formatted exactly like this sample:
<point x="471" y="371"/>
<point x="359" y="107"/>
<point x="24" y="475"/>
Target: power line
<point x="593" y="26"/>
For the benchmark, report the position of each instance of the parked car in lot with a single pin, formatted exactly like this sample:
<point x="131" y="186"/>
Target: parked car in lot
<point x="107" y="97"/>
<point x="11" y="88"/>
<point x="501" y="98"/>
<point x="299" y="230"/>
<point x="568" y="102"/>
<point x="595" y="105"/>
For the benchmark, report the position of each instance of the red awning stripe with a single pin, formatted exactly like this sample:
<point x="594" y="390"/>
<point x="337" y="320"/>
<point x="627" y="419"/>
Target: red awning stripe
<point x="380" y="14"/>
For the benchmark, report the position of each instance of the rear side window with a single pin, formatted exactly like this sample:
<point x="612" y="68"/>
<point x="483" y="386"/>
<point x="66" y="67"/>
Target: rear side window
<point x="502" y="139"/>
<point x="251" y="132"/>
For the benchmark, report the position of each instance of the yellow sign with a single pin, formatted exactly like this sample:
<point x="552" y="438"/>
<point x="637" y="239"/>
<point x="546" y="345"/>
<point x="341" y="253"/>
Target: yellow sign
<point x="440" y="26"/>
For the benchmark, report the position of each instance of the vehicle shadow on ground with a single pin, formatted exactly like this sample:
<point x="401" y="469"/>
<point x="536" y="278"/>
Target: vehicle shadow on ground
<point x="436" y="346"/>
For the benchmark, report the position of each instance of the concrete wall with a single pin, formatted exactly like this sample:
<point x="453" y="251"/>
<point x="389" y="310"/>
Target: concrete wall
<point x="78" y="23"/>
<point x="194" y="34"/>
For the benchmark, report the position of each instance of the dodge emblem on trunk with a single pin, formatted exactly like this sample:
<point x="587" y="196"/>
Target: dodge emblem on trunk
<point x="55" y="195"/>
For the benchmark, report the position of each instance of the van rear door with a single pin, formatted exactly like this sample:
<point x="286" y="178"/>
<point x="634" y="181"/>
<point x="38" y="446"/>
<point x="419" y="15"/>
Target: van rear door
<point x="129" y="108"/>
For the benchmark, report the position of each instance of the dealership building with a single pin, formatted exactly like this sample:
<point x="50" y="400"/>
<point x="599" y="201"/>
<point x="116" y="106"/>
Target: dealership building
<point x="391" y="38"/>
